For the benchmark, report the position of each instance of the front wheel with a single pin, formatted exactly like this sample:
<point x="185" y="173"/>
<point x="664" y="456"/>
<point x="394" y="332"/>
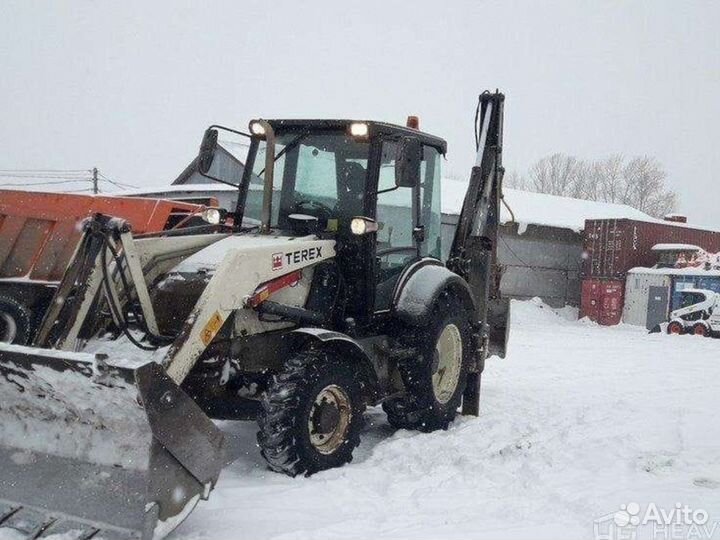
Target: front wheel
<point x="675" y="328"/>
<point x="435" y="377"/>
<point x="311" y="414"/>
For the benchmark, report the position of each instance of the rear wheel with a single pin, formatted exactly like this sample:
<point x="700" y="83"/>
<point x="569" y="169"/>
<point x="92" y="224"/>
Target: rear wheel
<point x="675" y="328"/>
<point x="435" y="378"/>
<point x="700" y="329"/>
<point x="311" y="414"/>
<point x="15" y="321"/>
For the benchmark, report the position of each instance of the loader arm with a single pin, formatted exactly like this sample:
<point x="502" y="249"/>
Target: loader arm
<point x="241" y="270"/>
<point x="106" y="447"/>
<point x="474" y="249"/>
<point x="107" y="266"/>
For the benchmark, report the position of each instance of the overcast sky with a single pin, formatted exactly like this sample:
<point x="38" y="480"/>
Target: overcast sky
<point x="130" y="86"/>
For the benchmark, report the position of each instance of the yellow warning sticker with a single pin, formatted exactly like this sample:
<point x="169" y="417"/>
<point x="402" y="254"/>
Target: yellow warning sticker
<point x="211" y="328"/>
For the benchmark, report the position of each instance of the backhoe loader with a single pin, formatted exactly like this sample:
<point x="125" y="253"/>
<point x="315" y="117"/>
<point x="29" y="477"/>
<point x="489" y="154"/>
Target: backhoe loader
<point x="321" y="294"/>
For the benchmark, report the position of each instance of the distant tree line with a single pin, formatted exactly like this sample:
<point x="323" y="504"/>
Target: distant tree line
<point x="638" y="182"/>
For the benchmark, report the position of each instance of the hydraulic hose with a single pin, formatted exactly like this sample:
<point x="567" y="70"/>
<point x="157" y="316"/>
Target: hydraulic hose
<point x="117" y="311"/>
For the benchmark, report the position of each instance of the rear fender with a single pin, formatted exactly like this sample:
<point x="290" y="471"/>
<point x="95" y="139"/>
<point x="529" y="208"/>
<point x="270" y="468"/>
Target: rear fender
<point x="419" y="291"/>
<point x="346" y="348"/>
<point x="420" y="287"/>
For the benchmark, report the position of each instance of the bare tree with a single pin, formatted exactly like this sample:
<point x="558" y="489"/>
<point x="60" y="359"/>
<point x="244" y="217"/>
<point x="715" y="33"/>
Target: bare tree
<point x="554" y="174"/>
<point x="515" y="180"/>
<point x="639" y="182"/>
<point x="585" y="184"/>
<point x="610" y="179"/>
<point x="645" y="187"/>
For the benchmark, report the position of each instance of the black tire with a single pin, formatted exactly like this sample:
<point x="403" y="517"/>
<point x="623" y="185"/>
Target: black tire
<point x="676" y="328"/>
<point x="700" y="329"/>
<point x="15" y="321"/>
<point x="289" y="406"/>
<point x="420" y="408"/>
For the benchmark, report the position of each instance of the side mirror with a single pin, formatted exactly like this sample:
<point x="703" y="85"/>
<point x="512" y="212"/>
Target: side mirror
<point x="207" y="150"/>
<point x="407" y="162"/>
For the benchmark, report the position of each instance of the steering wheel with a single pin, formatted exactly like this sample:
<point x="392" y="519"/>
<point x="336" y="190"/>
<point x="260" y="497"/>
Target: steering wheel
<point x="323" y="210"/>
<point x="390" y="251"/>
<point x="387" y="252"/>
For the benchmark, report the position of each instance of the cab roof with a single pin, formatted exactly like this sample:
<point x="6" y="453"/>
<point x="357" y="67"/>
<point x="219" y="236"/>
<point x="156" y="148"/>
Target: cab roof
<point x="375" y="128"/>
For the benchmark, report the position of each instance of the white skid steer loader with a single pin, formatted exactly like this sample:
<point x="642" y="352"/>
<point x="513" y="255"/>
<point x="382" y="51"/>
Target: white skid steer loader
<point x="323" y="293"/>
<point x="698" y="314"/>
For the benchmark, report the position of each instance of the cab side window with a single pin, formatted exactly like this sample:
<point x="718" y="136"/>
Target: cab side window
<point x="395" y="215"/>
<point x="394" y="205"/>
<point x="430" y="172"/>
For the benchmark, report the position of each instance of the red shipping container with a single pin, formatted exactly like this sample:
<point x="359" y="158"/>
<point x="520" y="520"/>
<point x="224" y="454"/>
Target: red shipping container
<point x="614" y="246"/>
<point x="602" y="300"/>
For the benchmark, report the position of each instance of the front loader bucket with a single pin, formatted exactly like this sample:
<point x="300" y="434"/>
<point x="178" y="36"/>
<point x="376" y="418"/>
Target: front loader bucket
<point x="97" y="449"/>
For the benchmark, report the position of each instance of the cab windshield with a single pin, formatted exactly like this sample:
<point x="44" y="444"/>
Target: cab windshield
<point x="691" y="298"/>
<point x="322" y="174"/>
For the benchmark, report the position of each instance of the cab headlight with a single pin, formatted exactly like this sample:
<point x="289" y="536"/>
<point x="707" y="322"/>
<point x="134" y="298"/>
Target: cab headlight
<point x="256" y="128"/>
<point x="213" y="216"/>
<point x="363" y="225"/>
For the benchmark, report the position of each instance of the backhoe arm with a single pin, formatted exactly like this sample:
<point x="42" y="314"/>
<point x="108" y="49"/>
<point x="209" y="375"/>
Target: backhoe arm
<point x="473" y="252"/>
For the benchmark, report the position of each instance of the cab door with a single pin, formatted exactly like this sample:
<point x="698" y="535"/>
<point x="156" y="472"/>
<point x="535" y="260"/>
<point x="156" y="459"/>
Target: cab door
<point x="408" y="220"/>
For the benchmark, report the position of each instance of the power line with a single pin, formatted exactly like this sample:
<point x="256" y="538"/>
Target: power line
<point x="116" y="183"/>
<point x="44" y="171"/>
<point x="59" y="177"/>
<point x="58" y="182"/>
<point x="113" y="183"/>
<point x="50" y="176"/>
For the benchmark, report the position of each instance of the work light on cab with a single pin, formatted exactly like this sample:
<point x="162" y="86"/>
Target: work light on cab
<point x="256" y="128"/>
<point x="359" y="129"/>
<point x="363" y="225"/>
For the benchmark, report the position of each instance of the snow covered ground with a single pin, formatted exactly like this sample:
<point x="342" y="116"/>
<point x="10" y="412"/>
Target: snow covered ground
<point x="577" y="421"/>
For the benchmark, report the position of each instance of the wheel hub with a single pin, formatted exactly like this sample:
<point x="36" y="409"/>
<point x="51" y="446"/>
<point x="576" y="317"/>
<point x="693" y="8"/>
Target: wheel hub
<point x="329" y="419"/>
<point x="326" y="417"/>
<point x="447" y="363"/>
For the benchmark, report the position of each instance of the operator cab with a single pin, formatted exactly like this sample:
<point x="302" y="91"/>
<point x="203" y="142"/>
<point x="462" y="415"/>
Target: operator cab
<point x="690" y="297"/>
<point x="373" y="187"/>
<point x="694" y="298"/>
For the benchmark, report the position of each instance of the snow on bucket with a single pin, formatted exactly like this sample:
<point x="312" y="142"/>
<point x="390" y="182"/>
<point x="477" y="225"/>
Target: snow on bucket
<point x="94" y="447"/>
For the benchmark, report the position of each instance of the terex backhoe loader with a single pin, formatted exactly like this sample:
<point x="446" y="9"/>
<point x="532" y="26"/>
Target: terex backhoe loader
<point x="326" y="294"/>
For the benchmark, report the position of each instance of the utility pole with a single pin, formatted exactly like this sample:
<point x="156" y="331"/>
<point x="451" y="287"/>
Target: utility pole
<point x="95" y="181"/>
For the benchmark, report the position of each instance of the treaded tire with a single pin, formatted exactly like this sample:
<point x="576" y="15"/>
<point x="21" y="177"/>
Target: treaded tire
<point x="419" y="409"/>
<point x="675" y="328"/>
<point x="700" y="329"/>
<point x="21" y="318"/>
<point x="284" y="435"/>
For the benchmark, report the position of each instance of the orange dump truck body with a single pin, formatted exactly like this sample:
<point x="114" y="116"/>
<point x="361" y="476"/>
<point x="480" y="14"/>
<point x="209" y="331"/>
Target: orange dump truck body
<point x="39" y="231"/>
